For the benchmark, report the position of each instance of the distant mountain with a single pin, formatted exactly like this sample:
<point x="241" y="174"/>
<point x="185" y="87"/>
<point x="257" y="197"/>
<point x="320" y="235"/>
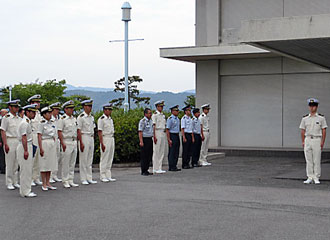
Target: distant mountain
<point x="102" y="97"/>
<point x="98" y="89"/>
<point x="93" y="89"/>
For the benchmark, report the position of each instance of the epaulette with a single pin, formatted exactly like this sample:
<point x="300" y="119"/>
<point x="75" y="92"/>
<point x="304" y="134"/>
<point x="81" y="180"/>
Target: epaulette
<point x="64" y="116"/>
<point x="27" y="120"/>
<point x="203" y="114"/>
<point x="305" y="115"/>
<point x="81" y="115"/>
<point x="8" y="115"/>
<point x="43" y="121"/>
<point x="102" y="117"/>
<point x="321" y="115"/>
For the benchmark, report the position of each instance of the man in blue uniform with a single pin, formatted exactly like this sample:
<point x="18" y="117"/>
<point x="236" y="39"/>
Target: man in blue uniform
<point x="187" y="137"/>
<point x="172" y="132"/>
<point x="146" y="133"/>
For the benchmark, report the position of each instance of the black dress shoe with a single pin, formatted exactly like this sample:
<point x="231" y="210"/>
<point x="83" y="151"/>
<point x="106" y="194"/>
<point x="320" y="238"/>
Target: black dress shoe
<point x="149" y="173"/>
<point x="145" y="174"/>
<point x="186" y="167"/>
<point x="197" y="165"/>
<point x="178" y="169"/>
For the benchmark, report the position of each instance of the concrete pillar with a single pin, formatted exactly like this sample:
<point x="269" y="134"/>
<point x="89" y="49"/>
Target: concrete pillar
<point x="208" y="91"/>
<point x="207" y="22"/>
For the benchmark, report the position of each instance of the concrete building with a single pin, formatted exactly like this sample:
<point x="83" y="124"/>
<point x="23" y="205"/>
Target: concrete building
<point x="257" y="62"/>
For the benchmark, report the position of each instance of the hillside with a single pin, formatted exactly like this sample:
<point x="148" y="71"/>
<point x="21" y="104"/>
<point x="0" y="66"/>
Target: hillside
<point x="102" y="97"/>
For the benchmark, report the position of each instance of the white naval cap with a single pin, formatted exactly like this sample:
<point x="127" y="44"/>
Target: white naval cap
<point x="312" y="101"/>
<point x="68" y="104"/>
<point x="45" y="109"/>
<point x="160" y="102"/>
<point x="56" y="105"/>
<point x="207" y="105"/>
<point x="88" y="102"/>
<point x="31" y="107"/>
<point x="14" y="103"/>
<point x="107" y="106"/>
<point x="35" y="98"/>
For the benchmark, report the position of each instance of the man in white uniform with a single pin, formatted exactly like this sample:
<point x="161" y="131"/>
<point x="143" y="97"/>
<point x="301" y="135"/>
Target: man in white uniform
<point x="107" y="143"/>
<point x="159" y="143"/>
<point x="85" y="134"/>
<point x="55" y="117"/>
<point x="25" y="151"/>
<point x="35" y="99"/>
<point x="205" y="121"/>
<point x="8" y="128"/>
<point x="67" y="133"/>
<point x="313" y="132"/>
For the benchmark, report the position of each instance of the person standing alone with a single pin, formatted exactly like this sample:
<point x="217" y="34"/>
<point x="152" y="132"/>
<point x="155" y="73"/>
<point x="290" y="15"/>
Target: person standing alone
<point x="313" y="132"/>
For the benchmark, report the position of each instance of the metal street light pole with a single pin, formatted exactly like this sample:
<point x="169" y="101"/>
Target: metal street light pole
<point x="10" y="88"/>
<point x="126" y="18"/>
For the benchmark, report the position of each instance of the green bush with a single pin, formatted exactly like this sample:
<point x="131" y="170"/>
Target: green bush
<point x="126" y="135"/>
<point x="127" y="148"/>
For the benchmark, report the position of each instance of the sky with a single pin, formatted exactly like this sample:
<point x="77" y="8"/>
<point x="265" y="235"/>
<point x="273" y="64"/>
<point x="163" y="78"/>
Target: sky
<point x="69" y="39"/>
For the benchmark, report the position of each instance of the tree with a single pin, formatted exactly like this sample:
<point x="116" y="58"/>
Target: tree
<point x="190" y="100"/>
<point x="51" y="91"/>
<point x="133" y="92"/>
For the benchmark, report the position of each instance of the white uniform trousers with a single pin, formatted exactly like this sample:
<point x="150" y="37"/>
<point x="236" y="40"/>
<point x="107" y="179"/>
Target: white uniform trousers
<point x="204" y="148"/>
<point x="25" y="169"/>
<point x="35" y="170"/>
<point x="312" y="152"/>
<point x="86" y="158"/>
<point x="69" y="158"/>
<point x="107" y="157"/>
<point x="11" y="162"/>
<point x="159" y="150"/>
<point x="58" y="161"/>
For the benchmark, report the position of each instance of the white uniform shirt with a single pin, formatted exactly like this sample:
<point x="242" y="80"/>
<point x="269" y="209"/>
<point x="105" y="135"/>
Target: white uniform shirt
<point x="105" y="124"/>
<point x="25" y="128"/>
<point x="313" y="125"/>
<point x="68" y="126"/>
<point x="55" y="120"/>
<point x="9" y="124"/>
<point x="86" y="123"/>
<point x="47" y="129"/>
<point x="205" y="121"/>
<point x="35" y="124"/>
<point x="158" y="118"/>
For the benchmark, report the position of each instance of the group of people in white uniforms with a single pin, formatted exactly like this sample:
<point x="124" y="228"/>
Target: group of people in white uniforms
<point x="57" y="141"/>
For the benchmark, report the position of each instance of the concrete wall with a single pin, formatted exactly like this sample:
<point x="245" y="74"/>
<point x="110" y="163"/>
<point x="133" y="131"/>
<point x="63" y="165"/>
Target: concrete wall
<point x="208" y="91"/>
<point x="263" y="101"/>
<point x="234" y="11"/>
<point x="207" y="22"/>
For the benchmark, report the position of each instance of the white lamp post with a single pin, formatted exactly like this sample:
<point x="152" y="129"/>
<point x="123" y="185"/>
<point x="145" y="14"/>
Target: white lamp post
<point x="126" y="18"/>
<point x="10" y="88"/>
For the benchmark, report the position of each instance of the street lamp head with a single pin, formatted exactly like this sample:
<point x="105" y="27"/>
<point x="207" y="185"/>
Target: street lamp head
<point x="126" y="11"/>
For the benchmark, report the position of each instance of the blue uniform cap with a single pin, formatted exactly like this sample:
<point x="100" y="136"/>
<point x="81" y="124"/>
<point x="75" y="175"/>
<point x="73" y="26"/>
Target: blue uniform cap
<point x="176" y="107"/>
<point x="88" y="102"/>
<point x="186" y="108"/>
<point x="195" y="110"/>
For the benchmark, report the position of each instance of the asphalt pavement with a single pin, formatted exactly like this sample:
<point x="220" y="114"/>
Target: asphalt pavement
<point x="235" y="198"/>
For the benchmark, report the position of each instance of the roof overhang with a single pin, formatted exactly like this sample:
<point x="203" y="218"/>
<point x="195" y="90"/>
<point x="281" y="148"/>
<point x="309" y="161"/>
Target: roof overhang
<point x="304" y="38"/>
<point x="193" y="54"/>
